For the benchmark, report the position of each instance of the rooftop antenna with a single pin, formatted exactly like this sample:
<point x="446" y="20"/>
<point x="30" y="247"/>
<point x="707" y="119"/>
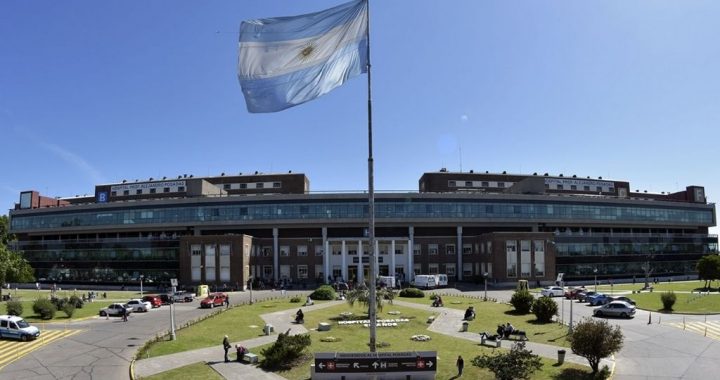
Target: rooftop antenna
<point x="460" y="152"/>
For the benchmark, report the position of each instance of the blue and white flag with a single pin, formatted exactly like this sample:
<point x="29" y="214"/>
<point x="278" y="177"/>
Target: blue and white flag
<point x="286" y="61"/>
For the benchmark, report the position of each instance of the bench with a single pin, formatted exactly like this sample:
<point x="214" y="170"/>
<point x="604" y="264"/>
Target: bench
<point x="485" y="341"/>
<point x="431" y="319"/>
<point x="517" y="335"/>
<point x="250" y="358"/>
<point x="323" y="326"/>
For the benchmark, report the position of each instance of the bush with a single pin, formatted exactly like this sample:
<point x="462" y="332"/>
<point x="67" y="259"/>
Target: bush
<point x="594" y="340"/>
<point x="324" y="292"/>
<point x="518" y="363"/>
<point x="522" y="301"/>
<point x="58" y="302"/>
<point x="44" y="308"/>
<point x="76" y="301"/>
<point x="544" y="309"/>
<point x="668" y="300"/>
<point x="295" y="299"/>
<point x="68" y="309"/>
<point x="286" y="350"/>
<point x="412" y="293"/>
<point x="14" y="308"/>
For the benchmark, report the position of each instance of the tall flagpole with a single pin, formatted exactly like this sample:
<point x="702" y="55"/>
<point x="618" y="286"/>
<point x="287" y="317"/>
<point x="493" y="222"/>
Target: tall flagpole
<point x="371" y="200"/>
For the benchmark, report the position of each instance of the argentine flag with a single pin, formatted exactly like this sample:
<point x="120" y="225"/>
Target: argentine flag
<point x="286" y="61"/>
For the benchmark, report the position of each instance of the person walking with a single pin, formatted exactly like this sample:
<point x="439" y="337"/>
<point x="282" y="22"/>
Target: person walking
<point x="227" y="301"/>
<point x="226" y="346"/>
<point x="460" y="364"/>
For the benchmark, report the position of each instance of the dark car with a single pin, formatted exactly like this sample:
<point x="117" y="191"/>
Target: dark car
<point x="155" y="301"/>
<point x="622" y="298"/>
<point x="166" y="299"/>
<point x="583" y="296"/>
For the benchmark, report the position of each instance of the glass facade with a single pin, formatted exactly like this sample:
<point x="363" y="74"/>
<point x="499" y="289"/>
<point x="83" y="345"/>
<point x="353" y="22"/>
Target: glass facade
<point x="357" y="209"/>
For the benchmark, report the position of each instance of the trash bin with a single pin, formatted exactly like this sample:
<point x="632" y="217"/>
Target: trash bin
<point x="465" y="326"/>
<point x="268" y="329"/>
<point x="561" y="356"/>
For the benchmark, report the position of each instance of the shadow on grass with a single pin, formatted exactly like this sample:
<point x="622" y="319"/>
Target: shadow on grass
<point x="574" y="374"/>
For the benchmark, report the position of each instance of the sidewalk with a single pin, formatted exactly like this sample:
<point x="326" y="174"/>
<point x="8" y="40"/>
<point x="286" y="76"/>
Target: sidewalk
<point x="281" y="321"/>
<point x="449" y="323"/>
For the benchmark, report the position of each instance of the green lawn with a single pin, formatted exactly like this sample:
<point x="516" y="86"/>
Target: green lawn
<point x="237" y="324"/>
<point x="192" y="371"/>
<point x="686" y="303"/>
<point x="678" y="286"/>
<point x="28" y="297"/>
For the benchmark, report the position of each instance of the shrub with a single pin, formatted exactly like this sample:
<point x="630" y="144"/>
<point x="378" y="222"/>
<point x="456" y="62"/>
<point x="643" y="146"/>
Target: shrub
<point x="76" y="301"/>
<point x="518" y="363"/>
<point x="522" y="301"/>
<point x="44" y="308"/>
<point x="295" y="299"/>
<point x="324" y="292"/>
<point x="14" y="308"/>
<point x="668" y="300"/>
<point x="544" y="309"/>
<point x="412" y="293"/>
<point x="68" y="309"/>
<point x="594" y="340"/>
<point x="285" y="351"/>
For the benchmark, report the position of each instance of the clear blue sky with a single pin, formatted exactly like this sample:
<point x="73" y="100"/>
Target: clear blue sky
<point x="100" y="91"/>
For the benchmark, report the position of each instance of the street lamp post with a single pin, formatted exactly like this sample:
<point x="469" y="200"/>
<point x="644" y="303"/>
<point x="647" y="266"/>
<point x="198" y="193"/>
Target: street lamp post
<point x="485" y="276"/>
<point x="141" y="288"/>
<point x="595" y="272"/>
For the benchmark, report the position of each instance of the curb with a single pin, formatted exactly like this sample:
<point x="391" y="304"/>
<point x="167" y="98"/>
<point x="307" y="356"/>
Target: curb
<point x="132" y="370"/>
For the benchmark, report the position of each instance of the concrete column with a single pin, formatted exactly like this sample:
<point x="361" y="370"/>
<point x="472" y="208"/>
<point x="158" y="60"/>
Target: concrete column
<point x="326" y="256"/>
<point x="276" y="254"/>
<point x="392" y="258"/>
<point x="361" y="274"/>
<point x="344" y="264"/>
<point x="459" y="254"/>
<point x="410" y="273"/>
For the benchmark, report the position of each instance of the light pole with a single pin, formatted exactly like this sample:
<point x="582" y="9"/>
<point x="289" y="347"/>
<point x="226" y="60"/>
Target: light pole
<point x="141" y="289"/>
<point x="595" y="272"/>
<point x="485" y="276"/>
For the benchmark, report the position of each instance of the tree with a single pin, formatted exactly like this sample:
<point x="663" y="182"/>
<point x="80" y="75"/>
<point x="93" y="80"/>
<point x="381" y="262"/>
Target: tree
<point x="518" y="363"/>
<point x="594" y="340"/>
<point x="522" y="301"/>
<point x="544" y="309"/>
<point x="362" y="294"/>
<point x="13" y="267"/>
<point x="709" y="269"/>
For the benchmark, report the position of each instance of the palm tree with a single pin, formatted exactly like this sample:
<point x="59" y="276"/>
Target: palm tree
<point x="362" y="294"/>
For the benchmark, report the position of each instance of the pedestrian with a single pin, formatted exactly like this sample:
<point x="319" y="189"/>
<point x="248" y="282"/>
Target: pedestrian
<point x="227" y="301"/>
<point x="226" y="346"/>
<point x="125" y="314"/>
<point x="460" y="364"/>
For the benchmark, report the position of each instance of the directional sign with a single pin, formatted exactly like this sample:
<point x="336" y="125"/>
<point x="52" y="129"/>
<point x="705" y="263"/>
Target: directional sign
<point x="374" y="362"/>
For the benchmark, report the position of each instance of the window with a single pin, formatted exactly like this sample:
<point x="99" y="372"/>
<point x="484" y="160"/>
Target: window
<point x="224" y="262"/>
<point x="468" y="184"/>
<point x="302" y="271"/>
<point x="451" y="184"/>
<point x="138" y="191"/>
<point x="416" y="249"/>
<point x="611" y="189"/>
<point x="284" y="250"/>
<point x="501" y="184"/>
<point x="511" y="255"/>
<point x="196" y="256"/>
<point x="243" y="185"/>
<point x="196" y="250"/>
<point x="126" y="192"/>
<point x="539" y="258"/>
<point x="153" y="190"/>
<point x="467" y="269"/>
<point x="267" y="271"/>
<point x="586" y="188"/>
<point x="559" y="187"/>
<point x="224" y="249"/>
<point x="302" y="251"/>
<point x="450" y="270"/>
<point x="525" y="258"/>
<point x="319" y="251"/>
<point x="573" y="187"/>
<point x="113" y="193"/>
<point x="266" y="251"/>
<point x="276" y="185"/>
<point x="485" y="184"/>
<point x="432" y="249"/>
<point x="352" y="252"/>
<point x="450" y="249"/>
<point x="598" y="189"/>
<point x="259" y="185"/>
<point x="226" y="186"/>
<point x="181" y="188"/>
<point x="467" y="249"/>
<point x="210" y="262"/>
<point x="166" y="189"/>
<point x="433" y="269"/>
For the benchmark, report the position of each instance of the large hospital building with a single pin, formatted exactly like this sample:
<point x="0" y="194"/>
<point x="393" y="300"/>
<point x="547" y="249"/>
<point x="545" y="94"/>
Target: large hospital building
<point x="225" y="229"/>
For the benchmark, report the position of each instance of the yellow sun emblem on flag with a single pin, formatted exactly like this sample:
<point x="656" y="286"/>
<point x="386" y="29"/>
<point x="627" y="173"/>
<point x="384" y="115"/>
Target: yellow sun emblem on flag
<point x="307" y="52"/>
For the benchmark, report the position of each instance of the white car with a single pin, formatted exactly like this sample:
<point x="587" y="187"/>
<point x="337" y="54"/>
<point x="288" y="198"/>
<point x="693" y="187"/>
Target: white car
<point x="620" y="309"/>
<point x="138" y="305"/>
<point x="552" y="291"/>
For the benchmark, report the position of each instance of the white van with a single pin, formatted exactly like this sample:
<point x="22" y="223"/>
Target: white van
<point x="425" y="281"/>
<point x="389" y="281"/>
<point x="16" y="328"/>
<point x="441" y="280"/>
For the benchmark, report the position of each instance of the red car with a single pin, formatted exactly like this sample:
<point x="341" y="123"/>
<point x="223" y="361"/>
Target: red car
<point x="155" y="301"/>
<point x="214" y="299"/>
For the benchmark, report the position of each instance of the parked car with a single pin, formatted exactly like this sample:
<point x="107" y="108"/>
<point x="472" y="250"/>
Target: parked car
<point x="583" y="296"/>
<point x="16" y="328"/>
<point x="622" y="298"/>
<point x="115" y="309"/>
<point x="615" y="309"/>
<point x="598" y="299"/>
<point x="155" y="301"/>
<point x="138" y="305"/>
<point x="166" y="299"/>
<point x="213" y="299"/>
<point x="573" y="293"/>
<point x="183" y="297"/>
<point x="552" y="291"/>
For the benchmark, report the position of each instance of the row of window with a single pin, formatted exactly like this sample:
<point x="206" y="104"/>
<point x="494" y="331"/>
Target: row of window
<point x="252" y="185"/>
<point x="143" y="254"/>
<point x="636" y="269"/>
<point x="151" y="190"/>
<point x="358" y="210"/>
<point x="596" y="249"/>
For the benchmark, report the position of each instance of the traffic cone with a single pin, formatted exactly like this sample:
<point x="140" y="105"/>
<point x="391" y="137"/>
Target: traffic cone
<point x="650" y="318"/>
